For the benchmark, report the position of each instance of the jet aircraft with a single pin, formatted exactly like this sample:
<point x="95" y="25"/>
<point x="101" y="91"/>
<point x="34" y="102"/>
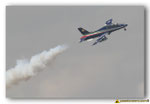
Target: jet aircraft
<point x="100" y="33"/>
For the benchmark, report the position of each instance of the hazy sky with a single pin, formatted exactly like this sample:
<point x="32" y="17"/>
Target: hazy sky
<point x="111" y="69"/>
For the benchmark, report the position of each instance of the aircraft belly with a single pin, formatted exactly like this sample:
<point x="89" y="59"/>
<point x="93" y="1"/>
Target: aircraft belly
<point x="89" y="40"/>
<point x="94" y="36"/>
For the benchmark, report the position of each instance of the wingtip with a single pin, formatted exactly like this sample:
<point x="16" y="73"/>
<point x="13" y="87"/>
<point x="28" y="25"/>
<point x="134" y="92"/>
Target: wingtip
<point x="94" y="44"/>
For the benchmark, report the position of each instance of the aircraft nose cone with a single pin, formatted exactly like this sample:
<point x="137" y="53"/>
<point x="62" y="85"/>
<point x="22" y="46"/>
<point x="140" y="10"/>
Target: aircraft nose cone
<point x="125" y="25"/>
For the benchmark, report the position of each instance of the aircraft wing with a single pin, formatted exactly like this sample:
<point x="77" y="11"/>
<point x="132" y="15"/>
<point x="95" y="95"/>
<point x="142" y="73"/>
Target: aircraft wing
<point x="102" y="38"/>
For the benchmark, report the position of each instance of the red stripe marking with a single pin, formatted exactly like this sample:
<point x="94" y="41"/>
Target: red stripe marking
<point x="90" y="35"/>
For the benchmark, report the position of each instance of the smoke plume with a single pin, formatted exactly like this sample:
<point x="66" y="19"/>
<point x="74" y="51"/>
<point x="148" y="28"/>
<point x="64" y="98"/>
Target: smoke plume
<point x="25" y="69"/>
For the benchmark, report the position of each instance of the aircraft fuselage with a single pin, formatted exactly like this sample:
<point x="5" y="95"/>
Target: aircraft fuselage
<point x="102" y="31"/>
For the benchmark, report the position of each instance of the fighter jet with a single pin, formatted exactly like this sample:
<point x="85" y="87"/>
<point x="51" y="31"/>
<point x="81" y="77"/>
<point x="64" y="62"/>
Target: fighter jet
<point x="101" y="33"/>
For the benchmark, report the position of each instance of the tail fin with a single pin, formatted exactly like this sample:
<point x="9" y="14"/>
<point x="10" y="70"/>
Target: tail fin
<point x="83" y="31"/>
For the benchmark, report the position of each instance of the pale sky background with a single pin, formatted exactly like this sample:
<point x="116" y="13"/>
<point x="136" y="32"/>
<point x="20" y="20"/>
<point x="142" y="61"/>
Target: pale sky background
<point x="111" y="69"/>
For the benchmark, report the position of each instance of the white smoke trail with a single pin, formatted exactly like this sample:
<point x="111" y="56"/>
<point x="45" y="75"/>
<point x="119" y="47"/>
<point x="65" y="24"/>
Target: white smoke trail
<point x="26" y="69"/>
